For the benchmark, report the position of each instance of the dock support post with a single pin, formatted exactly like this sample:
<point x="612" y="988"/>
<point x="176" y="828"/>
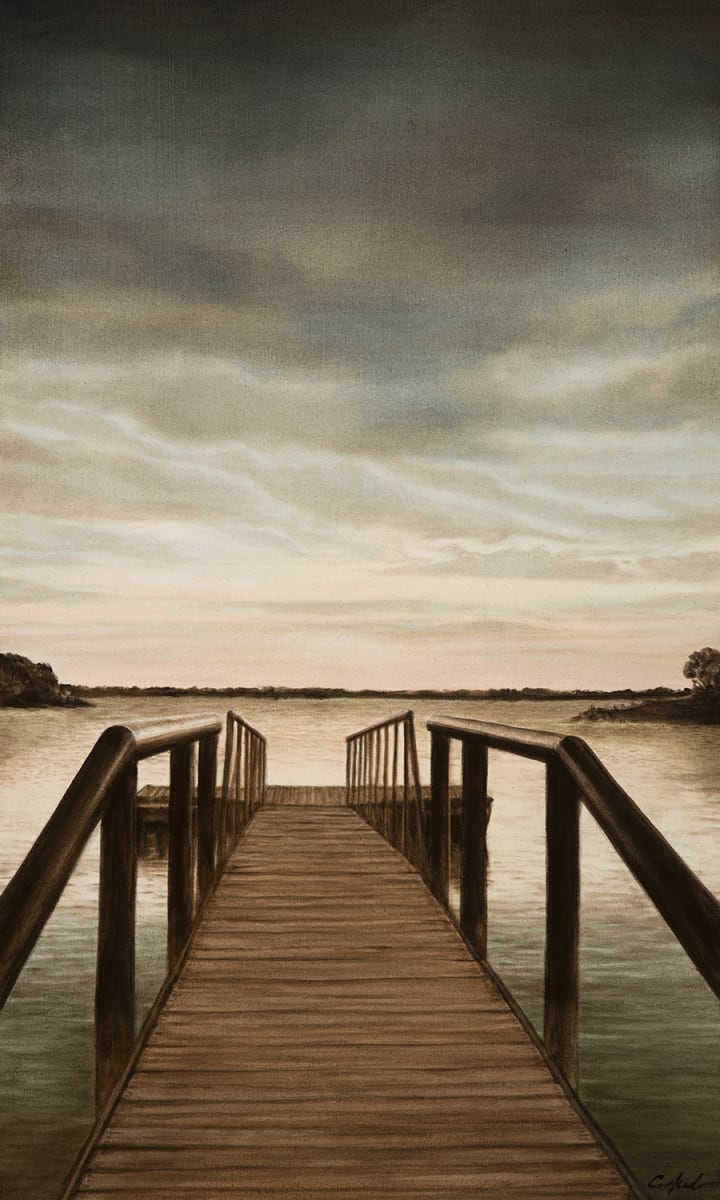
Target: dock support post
<point x="180" y="874"/>
<point x="439" y="817"/>
<point x="562" y="938"/>
<point x="473" y="885"/>
<point x="115" y="975"/>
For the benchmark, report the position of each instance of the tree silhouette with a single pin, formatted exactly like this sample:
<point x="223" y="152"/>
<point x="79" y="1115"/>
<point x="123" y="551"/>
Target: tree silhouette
<point x="703" y="668"/>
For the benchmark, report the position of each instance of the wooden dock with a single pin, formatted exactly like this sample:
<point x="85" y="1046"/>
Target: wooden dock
<point x="331" y="1036"/>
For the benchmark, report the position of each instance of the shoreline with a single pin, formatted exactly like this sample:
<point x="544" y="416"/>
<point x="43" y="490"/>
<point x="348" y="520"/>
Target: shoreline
<point x="321" y="693"/>
<point x="670" y="710"/>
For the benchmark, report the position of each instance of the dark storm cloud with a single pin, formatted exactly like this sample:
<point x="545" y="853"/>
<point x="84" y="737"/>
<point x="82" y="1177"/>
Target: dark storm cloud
<point x="89" y="253"/>
<point x="358" y="185"/>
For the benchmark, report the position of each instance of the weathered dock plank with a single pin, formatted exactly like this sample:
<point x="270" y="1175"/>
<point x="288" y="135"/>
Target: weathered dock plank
<point x="306" y="797"/>
<point x="330" y="1036"/>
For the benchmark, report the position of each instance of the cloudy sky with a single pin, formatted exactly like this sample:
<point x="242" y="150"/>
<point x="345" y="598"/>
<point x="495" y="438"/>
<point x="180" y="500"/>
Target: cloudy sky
<point x="363" y="344"/>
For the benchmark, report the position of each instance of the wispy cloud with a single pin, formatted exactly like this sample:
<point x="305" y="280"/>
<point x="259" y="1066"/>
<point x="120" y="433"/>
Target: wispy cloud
<point x="378" y="342"/>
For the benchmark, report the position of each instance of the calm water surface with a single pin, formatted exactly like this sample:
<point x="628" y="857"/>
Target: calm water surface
<point x="650" y="1051"/>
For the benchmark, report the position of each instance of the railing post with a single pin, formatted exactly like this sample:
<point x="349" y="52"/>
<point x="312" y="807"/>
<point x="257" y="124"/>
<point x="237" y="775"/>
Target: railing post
<point x="439" y="816"/>
<point x="562" y="935"/>
<point x="180" y="874"/>
<point x="207" y="830"/>
<point x="473" y="885"/>
<point x="115" y="976"/>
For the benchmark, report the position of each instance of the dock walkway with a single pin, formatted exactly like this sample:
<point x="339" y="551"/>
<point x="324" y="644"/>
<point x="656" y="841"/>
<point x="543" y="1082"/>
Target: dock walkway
<point x="331" y="1036"/>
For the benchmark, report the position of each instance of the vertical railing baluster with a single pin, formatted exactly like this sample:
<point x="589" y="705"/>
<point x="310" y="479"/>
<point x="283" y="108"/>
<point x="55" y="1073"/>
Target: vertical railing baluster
<point x="394" y="792"/>
<point x="227" y="764"/>
<point x="439" y="816"/>
<point x="207" y="822"/>
<point x="366" y="779"/>
<point x="407" y="838"/>
<point x="386" y="748"/>
<point x="180" y="876"/>
<point x="249" y="776"/>
<point x="368" y="776"/>
<point x="258" y="772"/>
<point x="562" y="937"/>
<point x="256" y="775"/>
<point x="354" y="773"/>
<point x="369" y="750"/>
<point x="115" y="975"/>
<point x="378" y="781"/>
<point x="229" y="773"/>
<point x="418" y="807"/>
<point x="352" y="758"/>
<point x="258" y="769"/>
<point x="240" y="768"/>
<point x="375" y="765"/>
<point x="264" y="771"/>
<point x="473" y="875"/>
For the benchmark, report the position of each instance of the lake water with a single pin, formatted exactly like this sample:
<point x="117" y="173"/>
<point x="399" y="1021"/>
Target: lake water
<point x="650" y="1050"/>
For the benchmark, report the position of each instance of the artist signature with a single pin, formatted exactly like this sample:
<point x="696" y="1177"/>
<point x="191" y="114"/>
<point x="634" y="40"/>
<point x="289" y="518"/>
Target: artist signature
<point x="678" y="1183"/>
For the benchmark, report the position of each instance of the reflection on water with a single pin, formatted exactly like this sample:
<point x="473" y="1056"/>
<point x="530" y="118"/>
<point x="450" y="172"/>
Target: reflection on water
<point x="650" y="1052"/>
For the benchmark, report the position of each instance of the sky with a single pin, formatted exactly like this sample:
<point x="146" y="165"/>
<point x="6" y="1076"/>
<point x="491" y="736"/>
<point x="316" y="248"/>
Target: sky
<point x="360" y="344"/>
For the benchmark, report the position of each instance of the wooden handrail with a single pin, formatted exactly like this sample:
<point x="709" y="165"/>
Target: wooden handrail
<point x="105" y="791"/>
<point x="574" y="775"/>
<point x="391" y="803"/>
<point x="31" y="895"/>
<point x="243" y="786"/>
<point x="34" y="890"/>
<point x="398" y="719"/>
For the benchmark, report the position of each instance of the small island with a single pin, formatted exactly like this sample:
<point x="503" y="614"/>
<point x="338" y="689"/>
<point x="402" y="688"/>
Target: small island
<point x="27" y="684"/>
<point x="699" y="705"/>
